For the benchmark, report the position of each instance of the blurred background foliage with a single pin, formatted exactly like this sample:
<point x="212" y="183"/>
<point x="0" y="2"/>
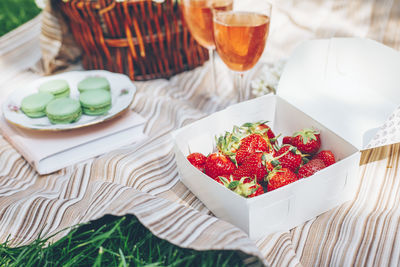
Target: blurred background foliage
<point x="16" y="12"/>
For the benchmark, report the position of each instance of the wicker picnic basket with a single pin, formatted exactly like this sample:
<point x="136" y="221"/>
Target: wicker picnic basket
<point x="144" y="39"/>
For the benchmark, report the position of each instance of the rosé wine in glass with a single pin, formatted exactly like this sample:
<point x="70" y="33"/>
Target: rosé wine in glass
<point x="240" y="36"/>
<point x="198" y="15"/>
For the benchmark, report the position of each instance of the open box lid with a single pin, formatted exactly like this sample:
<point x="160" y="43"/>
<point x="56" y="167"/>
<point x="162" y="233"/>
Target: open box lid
<point x="351" y="85"/>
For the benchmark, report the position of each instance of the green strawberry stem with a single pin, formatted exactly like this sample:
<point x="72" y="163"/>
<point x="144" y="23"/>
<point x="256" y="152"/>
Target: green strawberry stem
<point x="307" y="134"/>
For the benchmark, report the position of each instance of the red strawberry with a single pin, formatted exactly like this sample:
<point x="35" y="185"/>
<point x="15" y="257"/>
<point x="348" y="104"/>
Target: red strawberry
<point x="228" y="143"/>
<point x="287" y="140"/>
<point x="245" y="187"/>
<point x="326" y="156"/>
<point x="310" y="168"/>
<point x="223" y="179"/>
<point x="253" y="167"/>
<point x="198" y="160"/>
<point x="308" y="141"/>
<point x="258" y="192"/>
<point x="218" y="164"/>
<point x="261" y="128"/>
<point x="280" y="177"/>
<point x="249" y="145"/>
<point x="270" y="161"/>
<point x="289" y="157"/>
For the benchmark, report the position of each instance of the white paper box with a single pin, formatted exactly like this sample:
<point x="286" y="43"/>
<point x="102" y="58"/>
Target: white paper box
<point x="345" y="87"/>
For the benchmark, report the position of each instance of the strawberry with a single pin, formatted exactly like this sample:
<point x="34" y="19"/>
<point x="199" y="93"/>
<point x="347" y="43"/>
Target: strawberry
<point x="287" y="140"/>
<point x="280" y="177"/>
<point x="310" y="168"/>
<point x="249" y="145"/>
<point x="289" y="157"/>
<point x="255" y="166"/>
<point x="218" y="164"/>
<point x="308" y="141"/>
<point x="270" y="160"/>
<point x="263" y="127"/>
<point x="224" y="179"/>
<point x="198" y="160"/>
<point x="260" y="128"/>
<point x="245" y="187"/>
<point x="326" y="156"/>
<point x="228" y="144"/>
<point x="258" y="192"/>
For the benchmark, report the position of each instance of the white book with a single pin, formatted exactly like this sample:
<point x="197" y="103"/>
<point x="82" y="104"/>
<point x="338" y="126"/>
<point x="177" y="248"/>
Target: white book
<point x="48" y="151"/>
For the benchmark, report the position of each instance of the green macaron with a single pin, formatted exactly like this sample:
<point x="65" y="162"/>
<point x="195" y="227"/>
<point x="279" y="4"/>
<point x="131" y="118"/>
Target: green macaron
<point x="95" y="102"/>
<point x="34" y="105"/>
<point x="63" y="110"/>
<point x="58" y="88"/>
<point x="93" y="83"/>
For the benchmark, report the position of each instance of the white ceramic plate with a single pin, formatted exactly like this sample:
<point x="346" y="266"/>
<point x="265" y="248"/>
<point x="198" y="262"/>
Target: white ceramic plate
<point x="122" y="92"/>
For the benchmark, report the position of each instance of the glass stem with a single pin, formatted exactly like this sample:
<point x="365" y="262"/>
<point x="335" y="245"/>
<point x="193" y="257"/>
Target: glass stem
<point x="213" y="72"/>
<point x="239" y="84"/>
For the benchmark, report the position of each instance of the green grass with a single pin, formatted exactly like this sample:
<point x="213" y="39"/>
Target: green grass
<point x="16" y="12"/>
<point x="112" y="241"/>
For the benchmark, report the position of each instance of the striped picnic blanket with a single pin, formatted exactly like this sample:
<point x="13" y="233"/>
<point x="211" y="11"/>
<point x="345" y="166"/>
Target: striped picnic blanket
<point x="142" y="179"/>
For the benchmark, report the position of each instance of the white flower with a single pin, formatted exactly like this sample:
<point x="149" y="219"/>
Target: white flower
<point x="267" y="80"/>
<point x="41" y="3"/>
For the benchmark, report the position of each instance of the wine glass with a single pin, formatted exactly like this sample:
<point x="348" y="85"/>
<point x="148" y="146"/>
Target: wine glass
<point x="198" y="17"/>
<point x="240" y="36"/>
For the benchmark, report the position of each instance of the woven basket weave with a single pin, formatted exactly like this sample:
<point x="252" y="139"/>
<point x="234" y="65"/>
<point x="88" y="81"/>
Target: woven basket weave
<point x="141" y="38"/>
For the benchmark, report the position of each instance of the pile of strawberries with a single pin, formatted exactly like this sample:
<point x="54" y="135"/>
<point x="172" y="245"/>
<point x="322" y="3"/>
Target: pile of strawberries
<point x="250" y="161"/>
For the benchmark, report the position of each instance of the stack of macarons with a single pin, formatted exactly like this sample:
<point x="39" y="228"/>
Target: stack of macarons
<point x="95" y="96"/>
<point x="53" y="100"/>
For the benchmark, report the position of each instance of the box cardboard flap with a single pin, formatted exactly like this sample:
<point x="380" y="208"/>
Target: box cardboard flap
<point x="351" y="85"/>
